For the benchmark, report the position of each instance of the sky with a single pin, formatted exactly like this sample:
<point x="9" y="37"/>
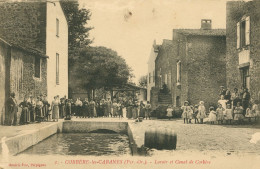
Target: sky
<point x="130" y="26"/>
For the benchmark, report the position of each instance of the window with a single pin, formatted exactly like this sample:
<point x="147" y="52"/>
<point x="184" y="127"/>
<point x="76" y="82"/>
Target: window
<point x="165" y="78"/>
<point x="37" y="67"/>
<point x="179" y="73"/>
<point x="169" y="80"/>
<point x="245" y="77"/>
<point x="153" y="76"/>
<point x="57" y="68"/>
<point x="243" y="32"/>
<point x="57" y="27"/>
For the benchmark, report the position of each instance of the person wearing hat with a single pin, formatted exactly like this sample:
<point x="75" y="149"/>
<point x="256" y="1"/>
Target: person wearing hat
<point x="222" y="91"/>
<point x="32" y="105"/>
<point x="187" y="112"/>
<point x="12" y="109"/>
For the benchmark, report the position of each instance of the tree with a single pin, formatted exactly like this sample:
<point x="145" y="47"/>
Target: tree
<point x="77" y="24"/>
<point x="100" y="67"/>
<point x="143" y="81"/>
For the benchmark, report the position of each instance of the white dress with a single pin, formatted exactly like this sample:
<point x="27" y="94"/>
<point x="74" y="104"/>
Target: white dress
<point x="228" y="114"/>
<point x="169" y="112"/>
<point x="223" y="103"/>
<point x="212" y="116"/>
<point x="201" y="112"/>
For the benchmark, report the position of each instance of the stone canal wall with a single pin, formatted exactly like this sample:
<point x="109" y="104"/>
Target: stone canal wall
<point x="89" y="126"/>
<point x="23" y="141"/>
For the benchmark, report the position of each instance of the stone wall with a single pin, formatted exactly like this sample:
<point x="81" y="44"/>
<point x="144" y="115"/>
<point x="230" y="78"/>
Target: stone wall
<point x="235" y="11"/>
<point x="22" y="79"/>
<point x="24" y="23"/>
<point x="206" y="68"/>
<point x="203" y="68"/>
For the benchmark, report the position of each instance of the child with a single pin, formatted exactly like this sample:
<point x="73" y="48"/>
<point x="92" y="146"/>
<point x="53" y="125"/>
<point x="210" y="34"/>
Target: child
<point x="187" y="112"/>
<point x="228" y="114"/>
<point x="195" y="113"/>
<point x="256" y="109"/>
<point x="238" y="112"/>
<point x="249" y="113"/>
<point x="169" y="112"/>
<point x="212" y="115"/>
<point x="220" y="113"/>
<point x="201" y="112"/>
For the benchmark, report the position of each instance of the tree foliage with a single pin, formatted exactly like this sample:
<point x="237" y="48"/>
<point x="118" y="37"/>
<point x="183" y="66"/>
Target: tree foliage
<point x="143" y="81"/>
<point x="77" y="24"/>
<point x="100" y="67"/>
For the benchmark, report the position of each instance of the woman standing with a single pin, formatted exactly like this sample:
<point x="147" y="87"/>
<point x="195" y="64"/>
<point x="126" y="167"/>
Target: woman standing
<point x="114" y="106"/>
<point x="68" y="108"/>
<point x="78" y="105"/>
<point x="129" y="109"/>
<point x="62" y="108"/>
<point x="38" y="110"/>
<point x="25" y="116"/>
<point x="32" y="105"/>
<point x="92" y="105"/>
<point x="135" y="110"/>
<point x="85" y="108"/>
<point x="55" y="109"/>
<point x="45" y="107"/>
<point x="102" y="108"/>
<point x="142" y="109"/>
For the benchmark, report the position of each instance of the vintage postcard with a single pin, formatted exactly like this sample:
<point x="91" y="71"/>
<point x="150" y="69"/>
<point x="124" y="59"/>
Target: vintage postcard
<point x="128" y="84"/>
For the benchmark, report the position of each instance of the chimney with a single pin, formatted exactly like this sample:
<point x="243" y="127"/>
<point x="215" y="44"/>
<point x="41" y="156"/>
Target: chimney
<point x="206" y="24"/>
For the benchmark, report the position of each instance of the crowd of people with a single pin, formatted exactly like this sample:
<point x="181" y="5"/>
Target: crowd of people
<point x="236" y="106"/>
<point x="36" y="109"/>
<point x="39" y="109"/>
<point x="232" y="106"/>
<point x="108" y="108"/>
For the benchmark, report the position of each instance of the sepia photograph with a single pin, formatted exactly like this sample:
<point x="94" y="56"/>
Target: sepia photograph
<point x="129" y="84"/>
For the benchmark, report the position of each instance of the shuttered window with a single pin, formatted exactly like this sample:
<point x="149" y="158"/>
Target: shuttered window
<point x="243" y="32"/>
<point x="57" y="69"/>
<point x="178" y="72"/>
<point x="247" y="36"/>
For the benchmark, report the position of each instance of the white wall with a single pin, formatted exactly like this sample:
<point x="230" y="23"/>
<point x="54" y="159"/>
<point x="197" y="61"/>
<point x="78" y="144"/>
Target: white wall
<point x="55" y="45"/>
<point x="151" y="68"/>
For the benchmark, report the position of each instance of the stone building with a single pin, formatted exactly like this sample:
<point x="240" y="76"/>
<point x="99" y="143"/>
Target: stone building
<point x="192" y="65"/>
<point x="151" y="70"/>
<point x="243" y="46"/>
<point x="34" y="49"/>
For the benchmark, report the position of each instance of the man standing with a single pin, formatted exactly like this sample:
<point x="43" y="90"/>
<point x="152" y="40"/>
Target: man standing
<point x="12" y="109"/>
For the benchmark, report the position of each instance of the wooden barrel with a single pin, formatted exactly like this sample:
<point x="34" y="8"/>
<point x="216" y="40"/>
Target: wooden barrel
<point x="160" y="139"/>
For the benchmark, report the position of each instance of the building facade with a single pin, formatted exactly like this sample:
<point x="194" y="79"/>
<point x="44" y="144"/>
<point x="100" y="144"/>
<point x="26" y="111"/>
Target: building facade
<point x="20" y="69"/>
<point x="192" y="65"/>
<point x="243" y="46"/>
<point x="151" y="70"/>
<point x="40" y="25"/>
<point x="34" y="50"/>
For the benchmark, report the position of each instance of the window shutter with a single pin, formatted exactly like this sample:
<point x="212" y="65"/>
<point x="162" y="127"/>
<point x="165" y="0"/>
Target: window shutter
<point x="238" y="35"/>
<point x="247" y="30"/>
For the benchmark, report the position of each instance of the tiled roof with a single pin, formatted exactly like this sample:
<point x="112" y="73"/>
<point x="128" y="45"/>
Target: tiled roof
<point x="27" y="49"/>
<point x="201" y="32"/>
